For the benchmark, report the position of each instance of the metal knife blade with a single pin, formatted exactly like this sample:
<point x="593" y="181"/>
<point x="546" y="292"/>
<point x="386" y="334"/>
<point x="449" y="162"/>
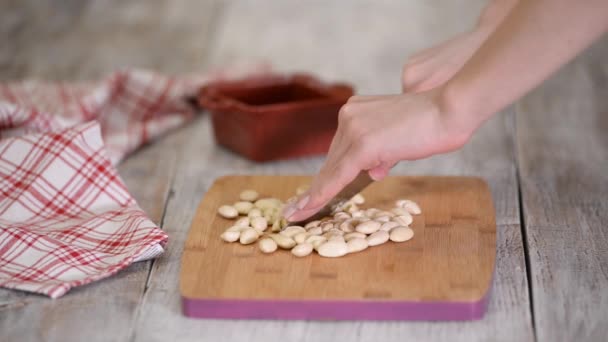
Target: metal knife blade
<point x="356" y="186"/>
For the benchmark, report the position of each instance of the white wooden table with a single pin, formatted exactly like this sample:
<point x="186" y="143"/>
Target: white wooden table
<point x="546" y="159"/>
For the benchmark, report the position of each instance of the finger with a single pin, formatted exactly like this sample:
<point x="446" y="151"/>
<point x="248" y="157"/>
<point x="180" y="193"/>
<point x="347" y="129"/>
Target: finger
<point x="379" y="172"/>
<point x="365" y="98"/>
<point x="322" y="183"/>
<point x="431" y="82"/>
<point x="336" y="151"/>
<point x="422" y="56"/>
<point x="325" y="186"/>
<point x="335" y="142"/>
<point x="336" y="172"/>
<point x="426" y="83"/>
<point x="339" y="143"/>
<point x="294" y="214"/>
<point x="411" y="76"/>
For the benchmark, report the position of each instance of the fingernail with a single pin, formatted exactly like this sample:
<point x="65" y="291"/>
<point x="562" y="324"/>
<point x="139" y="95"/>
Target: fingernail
<point x="289" y="211"/>
<point x="303" y="202"/>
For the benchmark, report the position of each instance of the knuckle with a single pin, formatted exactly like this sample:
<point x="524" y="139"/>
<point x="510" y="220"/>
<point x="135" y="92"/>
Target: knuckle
<point x="409" y="74"/>
<point x="353" y="98"/>
<point x="346" y="112"/>
<point x="354" y="129"/>
<point x="384" y="157"/>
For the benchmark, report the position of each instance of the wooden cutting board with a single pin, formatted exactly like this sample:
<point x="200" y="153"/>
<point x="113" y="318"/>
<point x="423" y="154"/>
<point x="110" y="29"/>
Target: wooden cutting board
<point x="443" y="273"/>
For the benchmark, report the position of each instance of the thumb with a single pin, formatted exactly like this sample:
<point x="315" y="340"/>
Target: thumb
<point x="379" y="172"/>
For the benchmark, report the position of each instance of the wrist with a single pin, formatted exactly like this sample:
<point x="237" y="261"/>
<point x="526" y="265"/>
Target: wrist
<point x="458" y="112"/>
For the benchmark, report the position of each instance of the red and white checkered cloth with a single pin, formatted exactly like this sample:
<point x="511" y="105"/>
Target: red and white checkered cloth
<point x="66" y="217"/>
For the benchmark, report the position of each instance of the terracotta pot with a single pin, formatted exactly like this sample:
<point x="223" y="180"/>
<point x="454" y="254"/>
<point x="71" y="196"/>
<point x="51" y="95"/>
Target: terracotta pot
<point x="275" y="117"/>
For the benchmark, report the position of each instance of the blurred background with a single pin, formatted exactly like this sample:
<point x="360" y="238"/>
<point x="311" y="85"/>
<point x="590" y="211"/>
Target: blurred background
<point x="364" y="42"/>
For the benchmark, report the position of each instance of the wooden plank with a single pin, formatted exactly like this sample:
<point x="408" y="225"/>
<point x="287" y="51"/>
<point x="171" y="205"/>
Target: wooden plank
<point x="367" y="46"/>
<point x="106" y="309"/>
<point x="89" y="39"/>
<point x="489" y="157"/>
<point x="563" y="156"/>
<point x="82" y="314"/>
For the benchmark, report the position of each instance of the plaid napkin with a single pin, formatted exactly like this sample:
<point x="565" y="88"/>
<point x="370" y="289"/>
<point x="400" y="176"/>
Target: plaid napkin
<point x="66" y="217"/>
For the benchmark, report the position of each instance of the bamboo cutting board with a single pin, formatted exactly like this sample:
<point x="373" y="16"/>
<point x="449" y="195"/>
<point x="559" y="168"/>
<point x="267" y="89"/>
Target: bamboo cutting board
<point x="443" y="273"/>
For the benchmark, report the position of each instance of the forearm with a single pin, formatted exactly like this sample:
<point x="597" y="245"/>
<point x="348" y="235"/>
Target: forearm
<point x="533" y="41"/>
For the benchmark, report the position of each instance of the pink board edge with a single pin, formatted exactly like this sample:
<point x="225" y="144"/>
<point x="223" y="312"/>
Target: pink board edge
<point x="334" y="310"/>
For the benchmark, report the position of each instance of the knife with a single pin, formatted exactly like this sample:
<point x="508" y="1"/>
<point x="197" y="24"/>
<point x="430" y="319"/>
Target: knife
<point x="356" y="186"/>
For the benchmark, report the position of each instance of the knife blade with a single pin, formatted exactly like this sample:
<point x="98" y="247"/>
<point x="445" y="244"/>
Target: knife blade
<point x="356" y="186"/>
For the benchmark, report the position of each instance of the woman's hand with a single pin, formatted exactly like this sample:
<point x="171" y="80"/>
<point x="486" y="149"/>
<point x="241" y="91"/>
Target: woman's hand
<point x="376" y="132"/>
<point x="434" y="66"/>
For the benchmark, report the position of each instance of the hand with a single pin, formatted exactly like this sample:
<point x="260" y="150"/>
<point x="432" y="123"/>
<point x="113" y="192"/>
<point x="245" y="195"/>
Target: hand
<point x="433" y="67"/>
<point x="376" y="132"/>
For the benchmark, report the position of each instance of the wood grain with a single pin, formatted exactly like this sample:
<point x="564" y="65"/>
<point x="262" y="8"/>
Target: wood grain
<point x="80" y="315"/>
<point x="450" y="259"/>
<point x="563" y="157"/>
<point x="69" y="40"/>
<point x="364" y="42"/>
<point x="105" y="310"/>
